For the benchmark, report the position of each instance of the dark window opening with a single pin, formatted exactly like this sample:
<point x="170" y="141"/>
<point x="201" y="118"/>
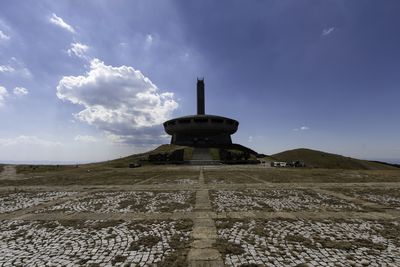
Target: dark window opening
<point x="201" y="120"/>
<point x="184" y="121"/>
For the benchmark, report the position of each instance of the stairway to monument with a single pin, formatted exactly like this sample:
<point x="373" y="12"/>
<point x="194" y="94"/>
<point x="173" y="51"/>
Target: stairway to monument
<point x="200" y="153"/>
<point x="201" y="156"/>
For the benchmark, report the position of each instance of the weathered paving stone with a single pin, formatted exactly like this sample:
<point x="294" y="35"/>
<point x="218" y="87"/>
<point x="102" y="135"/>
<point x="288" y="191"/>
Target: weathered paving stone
<point x="100" y="243"/>
<point x="10" y="202"/>
<point x="277" y="200"/>
<point x="128" y="201"/>
<point x="385" y="196"/>
<point x="317" y="243"/>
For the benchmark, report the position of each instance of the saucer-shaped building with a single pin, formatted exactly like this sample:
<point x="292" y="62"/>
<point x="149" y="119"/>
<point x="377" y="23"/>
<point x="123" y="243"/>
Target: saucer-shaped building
<point x="201" y="129"/>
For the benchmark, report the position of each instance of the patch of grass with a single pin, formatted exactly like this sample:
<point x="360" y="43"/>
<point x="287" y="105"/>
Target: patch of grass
<point x="133" y="203"/>
<point x="369" y="244"/>
<point x="142" y="226"/>
<point x="177" y="258"/>
<point x="146" y="241"/>
<point x="98" y="225"/>
<point x="118" y="258"/>
<point x="83" y="261"/>
<point x="225" y="223"/>
<point x="184" y="225"/>
<point x="170" y="207"/>
<point x="214" y="152"/>
<point x="299" y="239"/>
<point x="383" y="196"/>
<point x="226" y="177"/>
<point x="188" y="153"/>
<point x="77" y="224"/>
<point x="49" y="224"/>
<point x="301" y="175"/>
<point x="337" y="244"/>
<point x="349" y="244"/>
<point x="164" y="197"/>
<point x="225" y="247"/>
<point x="84" y="176"/>
<point x="23" y="169"/>
<point x="260" y="231"/>
<point x="174" y="177"/>
<point x="390" y="230"/>
<point x="15" y="226"/>
<point x="19" y="234"/>
<point x="320" y="159"/>
<point x="125" y="161"/>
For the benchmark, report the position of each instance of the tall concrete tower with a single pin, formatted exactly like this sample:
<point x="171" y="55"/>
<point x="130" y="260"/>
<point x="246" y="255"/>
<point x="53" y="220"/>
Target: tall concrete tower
<point x="200" y="97"/>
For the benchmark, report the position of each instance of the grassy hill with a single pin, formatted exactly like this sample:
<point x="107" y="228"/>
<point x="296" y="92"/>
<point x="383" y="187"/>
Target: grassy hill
<point x="116" y="163"/>
<point x="319" y="159"/>
<point x="123" y="162"/>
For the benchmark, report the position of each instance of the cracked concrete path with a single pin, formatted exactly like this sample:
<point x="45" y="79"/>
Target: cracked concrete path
<point x="9" y="173"/>
<point x="256" y="179"/>
<point x="202" y="253"/>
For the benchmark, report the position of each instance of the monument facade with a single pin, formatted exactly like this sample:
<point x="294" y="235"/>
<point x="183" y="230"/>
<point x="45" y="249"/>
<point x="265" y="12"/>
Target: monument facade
<point x="201" y="130"/>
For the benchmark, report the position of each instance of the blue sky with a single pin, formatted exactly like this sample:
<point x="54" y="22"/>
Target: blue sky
<point x="94" y="80"/>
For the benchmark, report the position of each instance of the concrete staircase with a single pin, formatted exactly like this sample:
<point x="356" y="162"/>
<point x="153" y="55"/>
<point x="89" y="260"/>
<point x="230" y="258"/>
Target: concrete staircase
<point x="201" y="156"/>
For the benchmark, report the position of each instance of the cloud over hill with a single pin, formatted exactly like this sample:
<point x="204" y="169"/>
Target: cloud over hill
<point x="119" y="100"/>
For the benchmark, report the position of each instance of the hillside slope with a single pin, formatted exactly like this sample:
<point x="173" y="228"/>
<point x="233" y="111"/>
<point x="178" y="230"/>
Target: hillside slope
<point x="320" y="159"/>
<point x="125" y="161"/>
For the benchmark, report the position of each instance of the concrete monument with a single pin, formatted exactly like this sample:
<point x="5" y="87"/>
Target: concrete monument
<point x="201" y="130"/>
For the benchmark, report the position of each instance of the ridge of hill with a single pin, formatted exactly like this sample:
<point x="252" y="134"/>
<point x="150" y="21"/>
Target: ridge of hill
<point x="320" y="159"/>
<point x="311" y="158"/>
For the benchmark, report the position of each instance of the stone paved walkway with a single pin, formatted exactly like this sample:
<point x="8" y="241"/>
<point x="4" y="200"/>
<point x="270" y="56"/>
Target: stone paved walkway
<point x="210" y="226"/>
<point x="202" y="252"/>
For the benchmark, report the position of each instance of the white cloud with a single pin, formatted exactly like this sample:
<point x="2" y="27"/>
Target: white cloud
<point x="149" y="39"/>
<point x="78" y="50"/>
<point x="120" y="101"/>
<point x="3" y="94"/>
<point x="28" y="140"/>
<point x="17" y="67"/>
<point x="25" y="72"/>
<point x="61" y="23"/>
<point x="328" y="31"/>
<point x="20" y="91"/>
<point x="4" y="36"/>
<point x="16" y="70"/>
<point x="250" y="139"/>
<point x="302" y="128"/>
<point x="85" y="138"/>
<point x="6" y="68"/>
